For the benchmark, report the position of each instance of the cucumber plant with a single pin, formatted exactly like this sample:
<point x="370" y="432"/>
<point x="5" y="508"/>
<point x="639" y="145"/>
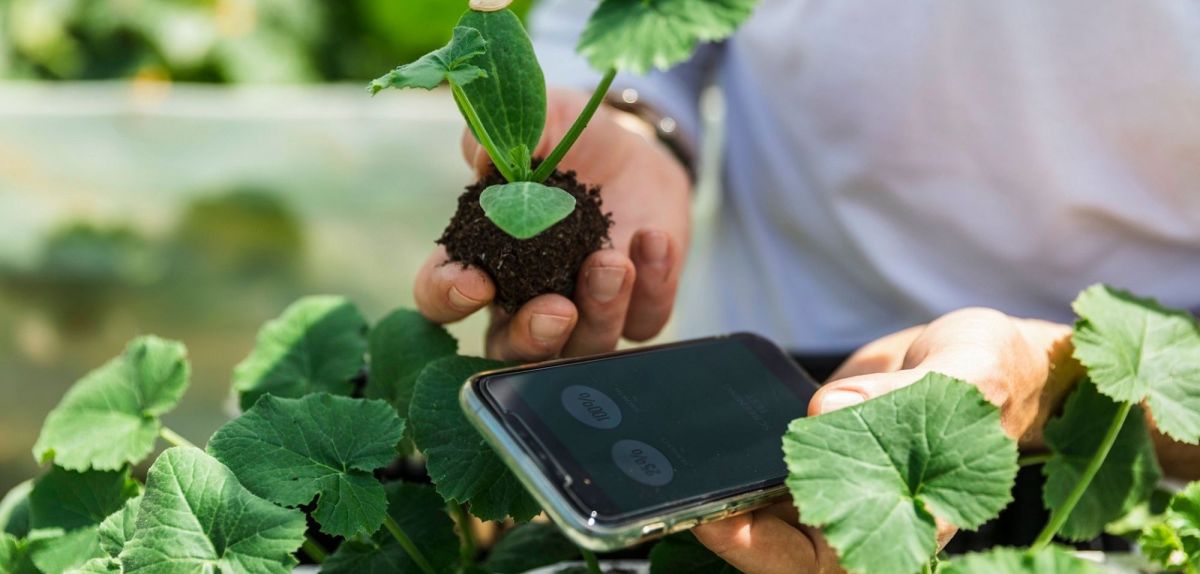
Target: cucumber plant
<point x="497" y="83"/>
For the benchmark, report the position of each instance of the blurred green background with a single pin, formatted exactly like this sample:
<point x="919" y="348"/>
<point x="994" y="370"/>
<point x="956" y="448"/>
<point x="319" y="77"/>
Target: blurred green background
<point x="189" y="167"/>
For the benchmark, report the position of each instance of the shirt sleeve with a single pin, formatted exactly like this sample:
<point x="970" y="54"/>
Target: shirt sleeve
<point x="556" y="26"/>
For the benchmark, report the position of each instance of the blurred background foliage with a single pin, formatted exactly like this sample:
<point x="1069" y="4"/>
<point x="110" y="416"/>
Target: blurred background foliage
<point x="220" y="41"/>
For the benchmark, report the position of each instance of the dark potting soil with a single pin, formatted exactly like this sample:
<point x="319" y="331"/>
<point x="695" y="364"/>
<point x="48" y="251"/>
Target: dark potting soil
<point x="523" y="269"/>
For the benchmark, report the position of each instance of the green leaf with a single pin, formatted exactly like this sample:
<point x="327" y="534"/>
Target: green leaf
<point x="460" y="462"/>
<point x="316" y="345"/>
<point x="14" y="556"/>
<point x="1126" y="478"/>
<point x="106" y="565"/>
<point x="111" y="417"/>
<point x="71" y="500"/>
<point x="683" y="553"/>
<point x="1137" y="350"/>
<point x="56" y="551"/>
<point x="292" y="450"/>
<point x="873" y="475"/>
<point x="511" y="100"/>
<point x="117" y="530"/>
<point x="14" y="510"/>
<point x="1174" y="543"/>
<point x="525" y="209"/>
<point x="421" y="514"/>
<point x="637" y="35"/>
<point x="401" y="344"/>
<point x="196" y="518"/>
<point x="531" y="546"/>
<point x="1050" y="560"/>
<point x="448" y="63"/>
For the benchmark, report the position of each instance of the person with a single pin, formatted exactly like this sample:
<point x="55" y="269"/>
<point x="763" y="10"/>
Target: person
<point x="957" y="166"/>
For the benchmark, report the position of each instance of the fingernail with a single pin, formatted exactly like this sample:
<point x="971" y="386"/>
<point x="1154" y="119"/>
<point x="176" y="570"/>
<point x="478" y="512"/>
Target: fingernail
<point x="462" y="302"/>
<point x="605" y="282"/>
<point x="839" y="400"/>
<point x="548" y="328"/>
<point x="652" y="248"/>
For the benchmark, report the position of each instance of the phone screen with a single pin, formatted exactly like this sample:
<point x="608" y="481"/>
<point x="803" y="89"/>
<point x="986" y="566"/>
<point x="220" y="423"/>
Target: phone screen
<point x="630" y="434"/>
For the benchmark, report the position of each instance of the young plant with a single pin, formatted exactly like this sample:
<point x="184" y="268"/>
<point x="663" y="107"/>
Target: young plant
<point x="497" y="83"/>
<point x="937" y="448"/>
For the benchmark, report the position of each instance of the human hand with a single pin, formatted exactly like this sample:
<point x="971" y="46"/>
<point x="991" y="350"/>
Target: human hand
<point x="1023" y="366"/>
<point x="628" y="290"/>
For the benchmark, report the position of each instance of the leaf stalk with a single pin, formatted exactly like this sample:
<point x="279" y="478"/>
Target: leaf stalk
<point x="503" y="165"/>
<point x="1060" y="516"/>
<point x="1035" y="459"/>
<point x="314" y="550"/>
<point x="174" y="438"/>
<point x="593" y="564"/>
<point x="551" y="162"/>
<point x="466" y="546"/>
<point x="407" y="544"/>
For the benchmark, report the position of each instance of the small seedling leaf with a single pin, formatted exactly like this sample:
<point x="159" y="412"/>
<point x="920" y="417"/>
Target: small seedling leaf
<point x="196" y="517"/>
<point x="683" y="553"/>
<point x="401" y="344"/>
<point x="639" y="35"/>
<point x="421" y="514"/>
<point x="1174" y="542"/>
<point x="111" y="417"/>
<point x="14" y="510"/>
<point x="529" y="547"/>
<point x="1137" y="350"/>
<point x="1126" y="478"/>
<point x="316" y="345"/>
<point x="292" y="450"/>
<point x="117" y="530"/>
<point x="511" y="100"/>
<point x="525" y="209"/>
<point x="873" y="476"/>
<point x="461" y="463"/>
<point x="1049" y="560"/>
<point x="450" y="62"/>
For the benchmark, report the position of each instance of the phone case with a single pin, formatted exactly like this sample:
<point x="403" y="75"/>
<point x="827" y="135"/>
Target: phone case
<point x="580" y="529"/>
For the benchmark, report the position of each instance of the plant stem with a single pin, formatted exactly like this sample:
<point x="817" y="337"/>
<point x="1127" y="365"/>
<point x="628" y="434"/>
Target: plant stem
<point x="1064" y="510"/>
<point x="407" y="544"/>
<point x="466" y="546"/>
<point x="547" y="167"/>
<point x="593" y="565"/>
<point x="314" y="550"/>
<point x="1035" y="459"/>
<point x="174" y="438"/>
<point x="485" y="139"/>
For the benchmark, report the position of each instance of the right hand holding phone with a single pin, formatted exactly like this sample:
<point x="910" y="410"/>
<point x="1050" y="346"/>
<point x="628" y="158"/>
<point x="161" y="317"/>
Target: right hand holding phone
<point x="628" y="290"/>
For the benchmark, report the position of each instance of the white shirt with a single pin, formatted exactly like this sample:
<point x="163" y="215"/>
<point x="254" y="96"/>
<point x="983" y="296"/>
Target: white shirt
<point x="887" y="162"/>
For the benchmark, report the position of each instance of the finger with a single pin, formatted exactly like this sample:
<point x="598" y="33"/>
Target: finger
<point x="537" y="331"/>
<point x="446" y="292"/>
<point x="880" y="356"/>
<point x="762" y="543"/>
<point x="603" y="291"/>
<point x="854" y="390"/>
<point x="475" y="154"/>
<point x="658" y="262"/>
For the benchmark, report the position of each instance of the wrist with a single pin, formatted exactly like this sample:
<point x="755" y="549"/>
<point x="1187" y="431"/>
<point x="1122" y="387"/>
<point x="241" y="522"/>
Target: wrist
<point x="656" y="125"/>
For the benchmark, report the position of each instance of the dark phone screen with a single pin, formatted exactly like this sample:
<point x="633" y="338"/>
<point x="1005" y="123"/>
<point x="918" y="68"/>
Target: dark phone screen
<point x="642" y="431"/>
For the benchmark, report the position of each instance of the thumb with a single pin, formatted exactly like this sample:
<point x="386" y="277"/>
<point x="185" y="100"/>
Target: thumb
<point x="854" y="390"/>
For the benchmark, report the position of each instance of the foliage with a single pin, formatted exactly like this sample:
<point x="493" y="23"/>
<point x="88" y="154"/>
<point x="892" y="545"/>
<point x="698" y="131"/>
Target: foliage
<point x="530" y="546"/>
<point x="525" y="208"/>
<point x="417" y="510"/>
<point x="1174" y="542"/>
<point x="451" y="63"/>
<point x="1050" y="560"/>
<point x="683" y="553"/>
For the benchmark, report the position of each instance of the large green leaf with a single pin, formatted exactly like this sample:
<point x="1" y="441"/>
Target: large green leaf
<point x="292" y="450"/>
<point x="638" y="35"/>
<point x="421" y="514"/>
<point x="448" y="63"/>
<point x="55" y="551"/>
<point x="873" y="475"/>
<point x="316" y="345"/>
<point x="1174" y="542"/>
<point x="14" y="510"/>
<point x="460" y="462"/>
<point x="196" y="518"/>
<point x="1137" y="350"/>
<point x="1126" y="478"/>
<point x="525" y="209"/>
<point x="1050" y="560"/>
<point x="111" y="417"/>
<point x="511" y="100"/>
<point x="401" y="344"/>
<point x="66" y="509"/>
<point x="683" y="553"/>
<point x="531" y="546"/>
<point x="118" y="529"/>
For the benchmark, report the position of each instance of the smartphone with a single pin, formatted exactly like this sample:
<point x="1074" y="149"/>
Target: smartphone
<point x="629" y="446"/>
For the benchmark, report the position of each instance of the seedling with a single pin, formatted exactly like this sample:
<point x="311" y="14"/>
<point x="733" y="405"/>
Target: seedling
<point x="529" y="225"/>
